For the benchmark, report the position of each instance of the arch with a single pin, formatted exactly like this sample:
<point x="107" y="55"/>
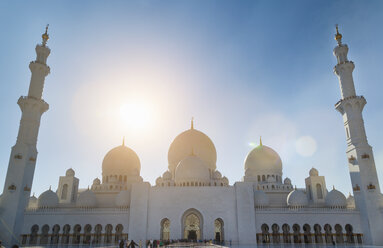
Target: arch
<point x="192" y="223"/>
<point x="219" y="234"/>
<point x="328" y="234"/>
<point x="259" y="178"/>
<point x="33" y="237"/>
<point x="97" y="233"/>
<point x="318" y="234"/>
<point x="55" y="234"/>
<point x="165" y="229"/>
<point x="265" y="233"/>
<point x="64" y="192"/>
<point x="65" y="235"/>
<point x="349" y="234"/>
<point x="118" y="235"/>
<point x="296" y="233"/>
<point x="263" y="178"/>
<point x="76" y="234"/>
<point x="120" y="178"/>
<point x="87" y="234"/>
<point x="307" y="234"/>
<point x="44" y="235"/>
<point x="275" y="234"/>
<point x="108" y="233"/>
<point x="286" y="233"/>
<point x="319" y="191"/>
<point x="339" y="234"/>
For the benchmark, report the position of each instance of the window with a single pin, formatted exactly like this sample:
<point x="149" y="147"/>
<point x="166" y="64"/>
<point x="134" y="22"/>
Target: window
<point x="319" y="191"/>
<point x="64" y="192"/>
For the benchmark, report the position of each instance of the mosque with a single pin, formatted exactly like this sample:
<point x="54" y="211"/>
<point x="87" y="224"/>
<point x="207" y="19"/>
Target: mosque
<point x="192" y="200"/>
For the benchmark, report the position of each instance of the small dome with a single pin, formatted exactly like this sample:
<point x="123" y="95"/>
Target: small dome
<point x="192" y="169"/>
<point x="86" y="199"/>
<point x="335" y="198"/>
<point x="32" y="202"/>
<point x="121" y="160"/>
<point x="167" y="175"/>
<point x="225" y="180"/>
<point x="158" y="180"/>
<point x="297" y="198"/>
<point x="260" y="199"/>
<point x="313" y="172"/>
<point x="287" y="181"/>
<point x="123" y="199"/>
<point x="69" y="173"/>
<point x="48" y="199"/>
<point x="263" y="160"/>
<point x="350" y="201"/>
<point x="96" y="181"/>
<point x="196" y="141"/>
<point x="217" y="175"/>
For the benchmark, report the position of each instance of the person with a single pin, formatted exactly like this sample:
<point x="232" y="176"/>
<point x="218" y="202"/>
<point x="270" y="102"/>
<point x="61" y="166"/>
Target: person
<point x="132" y="244"/>
<point x="121" y="243"/>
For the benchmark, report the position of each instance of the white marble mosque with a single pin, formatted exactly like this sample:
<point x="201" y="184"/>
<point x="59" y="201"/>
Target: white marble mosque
<point x="192" y="200"/>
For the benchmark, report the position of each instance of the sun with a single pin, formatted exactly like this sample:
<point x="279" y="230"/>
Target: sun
<point x="136" y="115"/>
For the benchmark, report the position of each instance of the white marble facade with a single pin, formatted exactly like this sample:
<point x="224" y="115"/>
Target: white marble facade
<point x="192" y="199"/>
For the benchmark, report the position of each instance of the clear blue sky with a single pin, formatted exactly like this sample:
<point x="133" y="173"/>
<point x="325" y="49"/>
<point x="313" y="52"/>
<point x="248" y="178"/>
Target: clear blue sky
<point x="241" y="68"/>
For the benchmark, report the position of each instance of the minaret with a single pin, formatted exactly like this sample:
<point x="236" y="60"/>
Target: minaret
<point x="22" y="162"/>
<point x="361" y="163"/>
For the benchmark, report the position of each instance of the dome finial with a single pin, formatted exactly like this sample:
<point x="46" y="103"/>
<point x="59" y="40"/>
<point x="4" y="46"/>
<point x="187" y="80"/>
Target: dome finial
<point x="50" y="187"/>
<point x="45" y="35"/>
<point x="333" y="187"/>
<point x="338" y="36"/>
<point x="192" y="123"/>
<point x="260" y="140"/>
<point x="123" y="140"/>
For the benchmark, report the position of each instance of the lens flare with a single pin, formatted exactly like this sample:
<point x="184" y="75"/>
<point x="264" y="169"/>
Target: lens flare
<point x="306" y="146"/>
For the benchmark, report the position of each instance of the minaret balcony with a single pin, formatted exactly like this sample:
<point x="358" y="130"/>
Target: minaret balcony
<point x="350" y="103"/>
<point x="344" y="66"/>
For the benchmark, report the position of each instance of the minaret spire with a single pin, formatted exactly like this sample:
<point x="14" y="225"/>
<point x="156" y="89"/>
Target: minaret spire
<point x="22" y="162"/>
<point x="360" y="156"/>
<point x="45" y="36"/>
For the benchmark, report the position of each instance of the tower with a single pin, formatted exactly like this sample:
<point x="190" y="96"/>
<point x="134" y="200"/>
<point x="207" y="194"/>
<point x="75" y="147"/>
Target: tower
<point x="22" y="162"/>
<point x="68" y="187"/>
<point x="361" y="163"/>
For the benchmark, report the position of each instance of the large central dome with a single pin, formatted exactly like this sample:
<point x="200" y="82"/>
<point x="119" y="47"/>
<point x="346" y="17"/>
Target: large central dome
<point x="192" y="141"/>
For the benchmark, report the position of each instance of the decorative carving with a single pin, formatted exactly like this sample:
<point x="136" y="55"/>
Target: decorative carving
<point x="365" y="156"/>
<point x="12" y="187"/>
<point x="370" y="186"/>
<point x="18" y="156"/>
<point x="351" y="159"/>
<point x="26" y="188"/>
<point x="32" y="159"/>
<point x="356" y="188"/>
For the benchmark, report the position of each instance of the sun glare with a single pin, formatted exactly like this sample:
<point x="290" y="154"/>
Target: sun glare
<point x="136" y="115"/>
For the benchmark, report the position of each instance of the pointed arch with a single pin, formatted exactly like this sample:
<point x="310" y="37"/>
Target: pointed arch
<point x="165" y="229"/>
<point x="192" y="217"/>
<point x="219" y="231"/>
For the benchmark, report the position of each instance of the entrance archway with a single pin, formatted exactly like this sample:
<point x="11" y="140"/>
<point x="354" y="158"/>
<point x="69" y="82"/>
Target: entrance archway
<point x="192" y="224"/>
<point x="218" y="231"/>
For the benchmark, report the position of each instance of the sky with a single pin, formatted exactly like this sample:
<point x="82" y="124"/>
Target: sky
<point x="242" y="69"/>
